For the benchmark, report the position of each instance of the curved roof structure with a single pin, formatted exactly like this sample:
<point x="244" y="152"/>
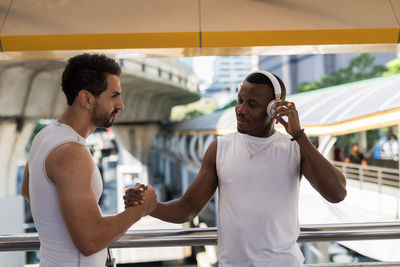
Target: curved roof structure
<point x="336" y="110"/>
<point x="197" y="27"/>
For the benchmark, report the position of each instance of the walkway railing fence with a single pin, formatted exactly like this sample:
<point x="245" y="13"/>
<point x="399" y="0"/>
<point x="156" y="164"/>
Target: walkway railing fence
<point x="208" y="236"/>
<point x="378" y="175"/>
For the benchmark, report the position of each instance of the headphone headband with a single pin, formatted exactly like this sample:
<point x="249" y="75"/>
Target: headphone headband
<point x="275" y="83"/>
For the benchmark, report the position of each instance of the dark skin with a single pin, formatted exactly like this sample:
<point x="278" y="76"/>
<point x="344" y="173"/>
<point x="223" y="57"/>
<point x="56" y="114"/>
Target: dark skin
<point x="252" y="119"/>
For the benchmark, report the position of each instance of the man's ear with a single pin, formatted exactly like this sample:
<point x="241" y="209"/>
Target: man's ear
<point x="86" y="99"/>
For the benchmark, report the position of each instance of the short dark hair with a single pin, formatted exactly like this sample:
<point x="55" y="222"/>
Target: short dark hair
<point x="259" y="78"/>
<point x="89" y="72"/>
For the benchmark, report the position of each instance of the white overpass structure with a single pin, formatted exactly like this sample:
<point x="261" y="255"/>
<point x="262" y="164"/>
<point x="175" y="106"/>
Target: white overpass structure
<point x="31" y="90"/>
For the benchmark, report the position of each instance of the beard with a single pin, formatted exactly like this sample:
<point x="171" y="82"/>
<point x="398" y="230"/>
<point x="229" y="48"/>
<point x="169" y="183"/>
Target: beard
<point x="101" y="118"/>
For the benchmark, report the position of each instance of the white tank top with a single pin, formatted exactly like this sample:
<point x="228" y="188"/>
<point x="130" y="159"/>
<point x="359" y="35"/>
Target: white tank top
<point x="258" y="201"/>
<point x="56" y="246"/>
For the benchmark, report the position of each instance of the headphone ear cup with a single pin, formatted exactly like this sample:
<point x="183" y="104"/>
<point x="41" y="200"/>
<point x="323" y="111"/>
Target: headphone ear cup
<point x="270" y="110"/>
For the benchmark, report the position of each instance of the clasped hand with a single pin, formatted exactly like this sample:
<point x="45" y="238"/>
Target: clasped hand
<point x="135" y="196"/>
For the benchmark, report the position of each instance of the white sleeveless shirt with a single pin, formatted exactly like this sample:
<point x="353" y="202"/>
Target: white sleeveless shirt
<point x="56" y="246"/>
<point x="258" y="201"/>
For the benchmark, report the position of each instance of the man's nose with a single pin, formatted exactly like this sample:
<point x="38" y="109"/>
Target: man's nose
<point x="240" y="108"/>
<point x="121" y="105"/>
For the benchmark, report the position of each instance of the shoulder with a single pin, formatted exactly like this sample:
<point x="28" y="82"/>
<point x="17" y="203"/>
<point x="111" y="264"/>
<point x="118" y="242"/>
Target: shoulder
<point x="286" y="145"/>
<point x="68" y="159"/>
<point x="284" y="140"/>
<point x="70" y="152"/>
<point x="281" y="137"/>
<point x="226" y="139"/>
<point x="212" y="148"/>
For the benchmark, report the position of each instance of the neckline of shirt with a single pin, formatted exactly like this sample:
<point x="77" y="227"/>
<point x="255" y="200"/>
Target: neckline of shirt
<point x="80" y="138"/>
<point x="260" y="140"/>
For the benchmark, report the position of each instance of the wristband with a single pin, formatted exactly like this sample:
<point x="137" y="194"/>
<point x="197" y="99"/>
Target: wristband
<point x="297" y="135"/>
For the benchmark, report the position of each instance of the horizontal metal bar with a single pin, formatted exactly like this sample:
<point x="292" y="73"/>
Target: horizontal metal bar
<point x="359" y="264"/>
<point x="354" y="166"/>
<point x="348" y="235"/>
<point x="208" y="236"/>
<point x="351" y="226"/>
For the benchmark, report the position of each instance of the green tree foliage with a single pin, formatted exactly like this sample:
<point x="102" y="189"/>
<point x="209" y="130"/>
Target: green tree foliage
<point x="192" y="110"/>
<point x="359" y="68"/>
<point x="196" y="109"/>
<point x="40" y="124"/>
<point x="229" y="105"/>
<point x="393" y="67"/>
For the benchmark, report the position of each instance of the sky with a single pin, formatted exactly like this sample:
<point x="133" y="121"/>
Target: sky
<point x="203" y="67"/>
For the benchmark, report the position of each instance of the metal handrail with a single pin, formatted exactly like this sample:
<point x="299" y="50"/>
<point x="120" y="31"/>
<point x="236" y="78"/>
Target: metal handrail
<point x="359" y="264"/>
<point x="208" y="236"/>
<point x="378" y="175"/>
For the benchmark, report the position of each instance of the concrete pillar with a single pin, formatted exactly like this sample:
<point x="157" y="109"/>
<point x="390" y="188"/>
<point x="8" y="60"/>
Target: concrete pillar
<point x="185" y="179"/>
<point x="325" y="144"/>
<point x="12" y="222"/>
<point x="362" y="141"/>
<point x="167" y="172"/>
<point x="160" y="163"/>
<point x="13" y="141"/>
<point x="135" y="142"/>
<point x="286" y="75"/>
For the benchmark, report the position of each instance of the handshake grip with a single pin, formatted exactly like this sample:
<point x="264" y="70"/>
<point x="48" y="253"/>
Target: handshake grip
<point x="141" y="196"/>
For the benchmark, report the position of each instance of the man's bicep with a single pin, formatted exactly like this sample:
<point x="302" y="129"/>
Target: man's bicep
<point x="71" y="169"/>
<point x="204" y="185"/>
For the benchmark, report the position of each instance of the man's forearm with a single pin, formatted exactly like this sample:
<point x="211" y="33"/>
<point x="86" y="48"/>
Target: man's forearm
<point x="107" y="230"/>
<point x="325" y="177"/>
<point x="174" y="211"/>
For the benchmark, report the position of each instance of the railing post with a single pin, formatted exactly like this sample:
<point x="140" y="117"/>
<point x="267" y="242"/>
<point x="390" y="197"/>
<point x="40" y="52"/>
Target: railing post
<point x="380" y="181"/>
<point x="110" y="259"/>
<point x="398" y="201"/>
<point x="344" y="170"/>
<point x="398" y="159"/>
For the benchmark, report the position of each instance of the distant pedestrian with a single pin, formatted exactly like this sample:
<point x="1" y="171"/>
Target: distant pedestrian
<point x="337" y="153"/>
<point x="356" y="156"/>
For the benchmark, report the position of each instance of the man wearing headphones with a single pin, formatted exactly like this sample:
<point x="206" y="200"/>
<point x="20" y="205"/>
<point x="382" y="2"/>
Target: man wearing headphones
<point x="257" y="171"/>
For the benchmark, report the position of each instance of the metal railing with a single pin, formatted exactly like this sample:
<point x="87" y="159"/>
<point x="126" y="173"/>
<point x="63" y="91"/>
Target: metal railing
<point x="360" y="264"/>
<point x="378" y="175"/>
<point x="208" y="236"/>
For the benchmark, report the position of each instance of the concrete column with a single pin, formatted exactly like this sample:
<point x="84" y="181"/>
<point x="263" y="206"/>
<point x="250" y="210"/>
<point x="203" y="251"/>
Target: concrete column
<point x="325" y="145"/>
<point x="167" y="172"/>
<point x="362" y="141"/>
<point x="13" y="141"/>
<point x="185" y="179"/>
<point x="160" y="163"/>
<point x="286" y="75"/>
<point x="136" y="140"/>
<point x="18" y="156"/>
<point x="11" y="222"/>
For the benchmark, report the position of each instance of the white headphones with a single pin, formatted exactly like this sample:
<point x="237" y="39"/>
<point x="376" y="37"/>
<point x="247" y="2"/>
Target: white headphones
<point x="277" y="90"/>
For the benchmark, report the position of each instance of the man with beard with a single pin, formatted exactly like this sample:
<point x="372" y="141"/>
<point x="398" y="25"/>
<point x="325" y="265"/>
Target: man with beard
<point x="62" y="182"/>
<point x="257" y="171"/>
